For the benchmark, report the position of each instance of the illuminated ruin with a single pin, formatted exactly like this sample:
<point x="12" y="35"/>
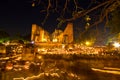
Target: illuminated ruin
<point x="39" y="34"/>
<point x="57" y="38"/>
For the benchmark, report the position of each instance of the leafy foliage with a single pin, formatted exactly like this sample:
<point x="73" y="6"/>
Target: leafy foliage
<point x="3" y="34"/>
<point x="114" y="22"/>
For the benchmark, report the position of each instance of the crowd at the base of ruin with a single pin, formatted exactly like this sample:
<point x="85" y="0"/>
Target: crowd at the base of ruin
<point x="60" y="42"/>
<point x="46" y="48"/>
<point x="13" y="54"/>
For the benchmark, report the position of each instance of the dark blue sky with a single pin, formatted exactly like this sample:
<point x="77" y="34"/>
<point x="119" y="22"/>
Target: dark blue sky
<point x="17" y="16"/>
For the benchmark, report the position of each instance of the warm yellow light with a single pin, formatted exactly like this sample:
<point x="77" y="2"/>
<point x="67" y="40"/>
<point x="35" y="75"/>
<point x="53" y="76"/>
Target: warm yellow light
<point x="116" y="44"/>
<point x="44" y="40"/>
<point x="54" y="40"/>
<point x="87" y="18"/>
<point x="33" y="4"/>
<point x="39" y="57"/>
<point x="87" y="43"/>
<point x="38" y="50"/>
<point x="63" y="46"/>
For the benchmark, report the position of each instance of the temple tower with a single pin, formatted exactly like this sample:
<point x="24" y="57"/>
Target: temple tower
<point x="68" y="33"/>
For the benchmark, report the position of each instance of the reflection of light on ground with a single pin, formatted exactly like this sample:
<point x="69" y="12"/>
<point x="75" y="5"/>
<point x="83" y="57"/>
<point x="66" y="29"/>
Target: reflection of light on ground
<point x="21" y="78"/>
<point x="108" y="70"/>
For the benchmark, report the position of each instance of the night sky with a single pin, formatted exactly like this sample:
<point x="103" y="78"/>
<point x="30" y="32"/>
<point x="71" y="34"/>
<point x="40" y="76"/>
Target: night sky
<point x="17" y="16"/>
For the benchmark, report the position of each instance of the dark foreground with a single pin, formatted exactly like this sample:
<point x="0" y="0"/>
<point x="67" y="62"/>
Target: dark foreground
<point x="66" y="67"/>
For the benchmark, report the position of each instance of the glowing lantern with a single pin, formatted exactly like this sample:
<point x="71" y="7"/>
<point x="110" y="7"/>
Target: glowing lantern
<point x="33" y="4"/>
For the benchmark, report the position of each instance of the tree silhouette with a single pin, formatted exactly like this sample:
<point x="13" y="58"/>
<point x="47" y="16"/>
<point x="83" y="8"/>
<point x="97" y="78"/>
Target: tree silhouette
<point x="3" y="34"/>
<point x="114" y="22"/>
<point x="89" y="13"/>
<point x="75" y="9"/>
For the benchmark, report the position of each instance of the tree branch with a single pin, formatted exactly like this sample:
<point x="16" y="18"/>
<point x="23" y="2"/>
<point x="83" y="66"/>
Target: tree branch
<point x="86" y="12"/>
<point x="65" y="7"/>
<point x="47" y="14"/>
